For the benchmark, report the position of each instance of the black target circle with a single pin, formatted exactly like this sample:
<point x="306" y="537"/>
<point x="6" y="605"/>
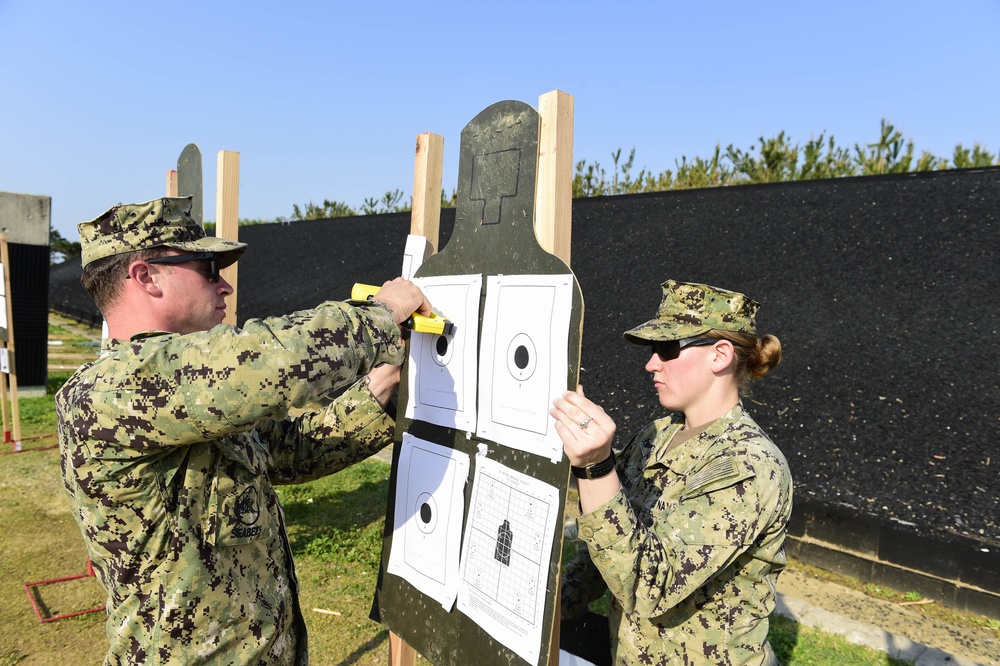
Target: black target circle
<point x="426" y="512"/>
<point x="442" y="348"/>
<point x="522" y="358"/>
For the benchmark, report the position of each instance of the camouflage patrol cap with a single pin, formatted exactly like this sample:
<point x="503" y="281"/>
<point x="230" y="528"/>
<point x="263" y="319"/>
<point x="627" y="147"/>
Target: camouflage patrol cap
<point x="690" y="309"/>
<point x="165" y="222"/>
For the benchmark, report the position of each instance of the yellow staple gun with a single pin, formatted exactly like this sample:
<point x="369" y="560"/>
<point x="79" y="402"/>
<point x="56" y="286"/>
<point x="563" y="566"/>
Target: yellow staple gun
<point x="434" y="323"/>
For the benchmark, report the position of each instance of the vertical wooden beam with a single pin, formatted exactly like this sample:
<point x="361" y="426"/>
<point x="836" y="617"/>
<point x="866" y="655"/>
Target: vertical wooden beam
<point x="425" y="218"/>
<point x="11" y="356"/>
<point x="554" y="227"/>
<point x="400" y="653"/>
<point x="227" y="216"/>
<point x="172" y="183"/>
<point x="4" y="407"/>
<point x="554" y="181"/>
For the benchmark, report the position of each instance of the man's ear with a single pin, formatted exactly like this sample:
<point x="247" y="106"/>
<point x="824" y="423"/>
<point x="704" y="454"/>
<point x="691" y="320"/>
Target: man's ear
<point x="144" y="276"/>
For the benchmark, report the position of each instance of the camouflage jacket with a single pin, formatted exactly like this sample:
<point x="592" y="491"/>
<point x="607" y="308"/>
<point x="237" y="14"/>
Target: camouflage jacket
<point x="169" y="447"/>
<point x="690" y="548"/>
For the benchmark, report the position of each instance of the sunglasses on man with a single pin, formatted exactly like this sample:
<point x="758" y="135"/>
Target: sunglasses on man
<point x="211" y="257"/>
<point x="671" y="349"/>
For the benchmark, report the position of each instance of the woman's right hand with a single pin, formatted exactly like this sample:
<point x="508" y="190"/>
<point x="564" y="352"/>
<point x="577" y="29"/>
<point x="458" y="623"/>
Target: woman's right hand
<point x="586" y="431"/>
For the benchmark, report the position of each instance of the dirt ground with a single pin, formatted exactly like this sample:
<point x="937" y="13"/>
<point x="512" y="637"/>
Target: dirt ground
<point x="916" y="622"/>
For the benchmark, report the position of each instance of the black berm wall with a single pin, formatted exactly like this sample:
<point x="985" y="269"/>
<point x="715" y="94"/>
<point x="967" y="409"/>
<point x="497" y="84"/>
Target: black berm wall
<point x="883" y="291"/>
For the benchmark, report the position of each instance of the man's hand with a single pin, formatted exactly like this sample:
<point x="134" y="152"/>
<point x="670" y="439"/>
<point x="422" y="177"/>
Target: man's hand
<point x="403" y="298"/>
<point x="383" y="381"/>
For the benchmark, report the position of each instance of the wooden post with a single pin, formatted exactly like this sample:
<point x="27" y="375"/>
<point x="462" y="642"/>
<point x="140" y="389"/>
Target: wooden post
<point x="227" y="220"/>
<point x="3" y="406"/>
<point x="554" y="226"/>
<point x="400" y="653"/>
<point x="172" y="183"/>
<point x="12" y="365"/>
<point x="425" y="220"/>
<point x="3" y="375"/>
<point x="554" y="180"/>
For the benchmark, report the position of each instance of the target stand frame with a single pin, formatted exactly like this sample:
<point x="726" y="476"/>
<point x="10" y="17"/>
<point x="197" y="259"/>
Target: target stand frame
<point x="494" y="235"/>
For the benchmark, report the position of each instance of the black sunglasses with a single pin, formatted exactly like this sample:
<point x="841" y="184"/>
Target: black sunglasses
<point x="211" y="257"/>
<point x="671" y="349"/>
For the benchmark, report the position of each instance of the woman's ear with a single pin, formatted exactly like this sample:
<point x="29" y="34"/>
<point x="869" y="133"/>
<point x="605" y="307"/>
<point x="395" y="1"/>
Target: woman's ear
<point x="724" y="355"/>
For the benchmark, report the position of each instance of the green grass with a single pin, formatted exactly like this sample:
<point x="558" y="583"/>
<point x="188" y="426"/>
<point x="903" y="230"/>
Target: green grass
<point x="38" y="416"/>
<point x="335" y="526"/>
<point x="797" y="644"/>
<point x="40" y="541"/>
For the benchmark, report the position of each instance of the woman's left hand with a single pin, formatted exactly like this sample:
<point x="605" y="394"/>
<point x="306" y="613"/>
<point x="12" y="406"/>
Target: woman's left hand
<point x="586" y="431"/>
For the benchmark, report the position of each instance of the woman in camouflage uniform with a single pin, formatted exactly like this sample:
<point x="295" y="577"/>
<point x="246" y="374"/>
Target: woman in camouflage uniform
<point x="687" y="526"/>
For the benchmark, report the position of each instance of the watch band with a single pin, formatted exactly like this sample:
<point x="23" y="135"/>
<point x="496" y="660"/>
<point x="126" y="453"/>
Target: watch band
<point x="597" y="470"/>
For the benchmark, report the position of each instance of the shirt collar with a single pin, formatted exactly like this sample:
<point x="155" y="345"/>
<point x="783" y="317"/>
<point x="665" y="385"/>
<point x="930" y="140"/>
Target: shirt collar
<point x="699" y="447"/>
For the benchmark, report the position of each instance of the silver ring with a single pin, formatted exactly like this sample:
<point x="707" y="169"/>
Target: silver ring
<point x="584" y="423"/>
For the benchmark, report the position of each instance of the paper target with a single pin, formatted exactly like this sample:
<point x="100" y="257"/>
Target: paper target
<point x="442" y="371"/>
<point x="523" y="360"/>
<point x="428" y="516"/>
<point x="505" y="559"/>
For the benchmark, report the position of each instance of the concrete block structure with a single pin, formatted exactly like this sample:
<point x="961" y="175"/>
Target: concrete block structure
<point x="25" y="218"/>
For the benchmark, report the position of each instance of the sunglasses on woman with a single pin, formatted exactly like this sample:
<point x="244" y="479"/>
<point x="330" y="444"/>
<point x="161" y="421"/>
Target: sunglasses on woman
<point x="671" y="349"/>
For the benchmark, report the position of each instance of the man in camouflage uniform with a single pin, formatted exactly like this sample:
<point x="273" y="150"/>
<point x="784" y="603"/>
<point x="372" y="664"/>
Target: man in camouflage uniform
<point x="686" y="528"/>
<point x="170" y="441"/>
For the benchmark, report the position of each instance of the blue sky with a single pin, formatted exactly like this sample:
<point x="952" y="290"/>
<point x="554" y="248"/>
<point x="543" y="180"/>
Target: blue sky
<point x="325" y="99"/>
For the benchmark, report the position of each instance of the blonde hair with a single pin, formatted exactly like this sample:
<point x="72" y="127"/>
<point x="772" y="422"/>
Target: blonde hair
<point x="755" y="357"/>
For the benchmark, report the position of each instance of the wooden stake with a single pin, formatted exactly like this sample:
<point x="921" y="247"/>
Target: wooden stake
<point x="3" y="375"/>
<point x="554" y="180"/>
<point x="172" y="183"/>
<point x="425" y="219"/>
<point x="3" y="402"/>
<point x="227" y="219"/>
<point x="12" y="366"/>
<point x="554" y="227"/>
<point x="400" y="653"/>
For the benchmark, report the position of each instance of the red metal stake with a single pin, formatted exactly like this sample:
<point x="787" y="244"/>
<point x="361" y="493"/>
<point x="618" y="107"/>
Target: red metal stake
<point x="38" y="612"/>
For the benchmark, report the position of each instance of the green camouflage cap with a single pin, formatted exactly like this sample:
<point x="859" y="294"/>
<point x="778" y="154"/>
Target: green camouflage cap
<point x="165" y="222"/>
<point x="690" y="309"/>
